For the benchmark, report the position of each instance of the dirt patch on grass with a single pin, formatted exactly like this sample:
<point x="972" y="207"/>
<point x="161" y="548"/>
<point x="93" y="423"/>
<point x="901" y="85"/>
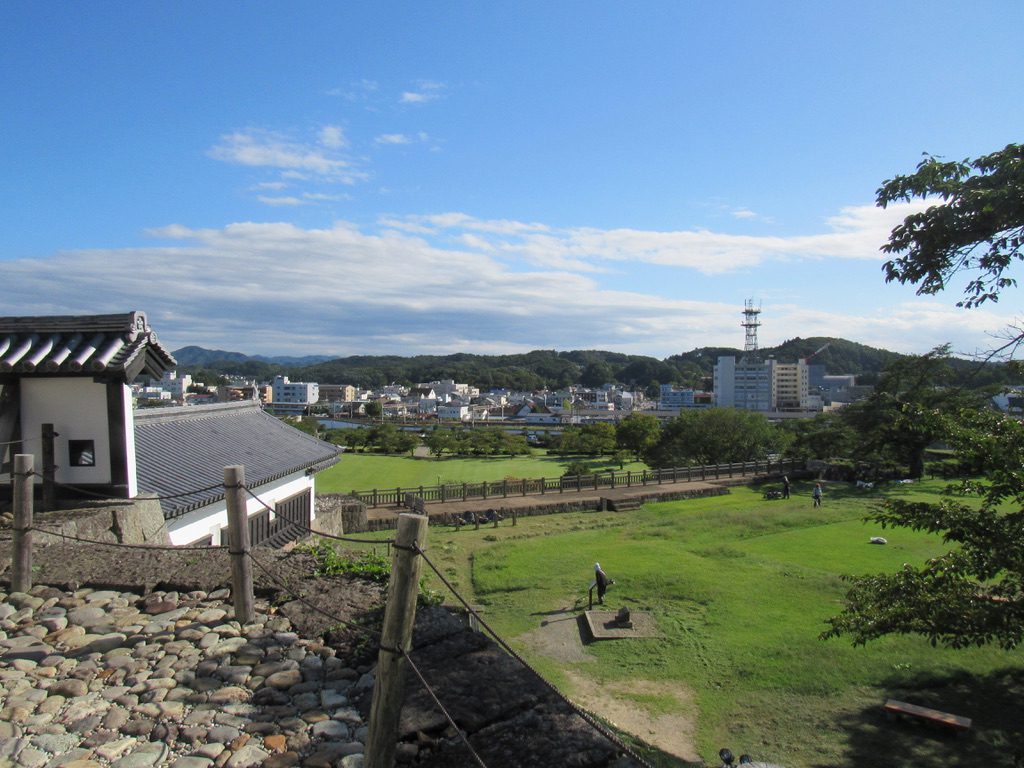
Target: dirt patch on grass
<point x="559" y="638"/>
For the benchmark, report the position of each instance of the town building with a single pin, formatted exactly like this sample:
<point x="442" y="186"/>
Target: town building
<point x="792" y="386"/>
<point x="292" y="398"/>
<point x="673" y="399"/>
<point x="747" y="383"/>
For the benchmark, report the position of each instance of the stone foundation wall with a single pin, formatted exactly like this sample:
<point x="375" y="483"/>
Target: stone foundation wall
<point x="337" y="514"/>
<point x="114" y="521"/>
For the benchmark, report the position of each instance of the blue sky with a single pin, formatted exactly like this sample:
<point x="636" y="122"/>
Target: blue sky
<point x="407" y="178"/>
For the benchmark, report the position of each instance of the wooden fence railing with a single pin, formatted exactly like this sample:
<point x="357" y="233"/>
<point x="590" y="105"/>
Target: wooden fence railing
<point x="502" y="489"/>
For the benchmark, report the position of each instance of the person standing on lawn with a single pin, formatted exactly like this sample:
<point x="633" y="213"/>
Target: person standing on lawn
<point x="816" y="494"/>
<point x="602" y="581"/>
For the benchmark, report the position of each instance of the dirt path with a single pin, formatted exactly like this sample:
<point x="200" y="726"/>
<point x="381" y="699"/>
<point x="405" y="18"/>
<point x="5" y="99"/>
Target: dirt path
<point x="558" y="637"/>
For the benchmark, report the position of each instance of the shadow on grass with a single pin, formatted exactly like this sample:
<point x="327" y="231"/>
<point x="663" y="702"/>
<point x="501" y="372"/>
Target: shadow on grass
<point x="993" y="702"/>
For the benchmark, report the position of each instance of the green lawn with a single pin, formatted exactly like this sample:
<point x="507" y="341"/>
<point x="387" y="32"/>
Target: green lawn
<point x="365" y="471"/>
<point x="740" y="588"/>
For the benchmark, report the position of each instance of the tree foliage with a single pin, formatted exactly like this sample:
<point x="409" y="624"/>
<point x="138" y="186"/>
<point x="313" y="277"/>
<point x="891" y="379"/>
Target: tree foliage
<point x="974" y="593"/>
<point x="476" y="441"/>
<point x="713" y="436"/>
<point x="896" y="423"/>
<point x="589" y="439"/>
<point x="978" y="229"/>
<point x="826" y="436"/>
<point x="637" y="432"/>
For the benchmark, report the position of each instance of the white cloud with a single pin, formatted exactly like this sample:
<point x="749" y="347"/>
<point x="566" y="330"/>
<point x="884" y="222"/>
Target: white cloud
<point x="333" y="136"/>
<point x="392" y="138"/>
<point x="425" y="91"/>
<point x="448" y="282"/>
<point x="284" y="200"/>
<point x="265" y="149"/>
<point x="323" y="197"/>
<point x="857" y="232"/>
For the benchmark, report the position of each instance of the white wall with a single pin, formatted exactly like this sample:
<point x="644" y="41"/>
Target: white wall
<point x="209" y="520"/>
<point x="77" y="408"/>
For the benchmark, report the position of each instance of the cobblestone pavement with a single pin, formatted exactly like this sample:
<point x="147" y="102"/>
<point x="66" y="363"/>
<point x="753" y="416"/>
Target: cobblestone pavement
<point x="108" y="678"/>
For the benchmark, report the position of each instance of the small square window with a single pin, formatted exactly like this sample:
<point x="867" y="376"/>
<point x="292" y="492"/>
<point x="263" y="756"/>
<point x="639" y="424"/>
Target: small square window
<point x="82" y="453"/>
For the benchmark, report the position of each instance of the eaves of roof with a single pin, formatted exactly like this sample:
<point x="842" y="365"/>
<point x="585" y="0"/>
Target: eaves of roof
<point x="118" y="347"/>
<point x="181" y="452"/>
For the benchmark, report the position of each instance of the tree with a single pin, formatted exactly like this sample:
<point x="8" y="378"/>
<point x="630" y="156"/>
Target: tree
<point x="896" y="423"/>
<point x="596" y="374"/>
<point x="440" y="440"/>
<point x="973" y="594"/>
<point x="637" y="432"/>
<point x="373" y="409"/>
<point x="977" y="231"/>
<point x="713" y="436"/>
<point x="597" y="438"/>
<point x="826" y="436"/>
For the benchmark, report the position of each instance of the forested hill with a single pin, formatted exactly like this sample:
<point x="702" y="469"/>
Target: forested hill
<point x="837" y="355"/>
<point x="550" y="369"/>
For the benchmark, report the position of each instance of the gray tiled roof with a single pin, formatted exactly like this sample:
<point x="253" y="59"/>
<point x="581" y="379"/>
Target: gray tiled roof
<point x="113" y="346"/>
<point x="185" y="449"/>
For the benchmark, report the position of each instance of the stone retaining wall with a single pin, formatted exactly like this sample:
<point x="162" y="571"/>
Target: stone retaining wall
<point x="114" y="521"/>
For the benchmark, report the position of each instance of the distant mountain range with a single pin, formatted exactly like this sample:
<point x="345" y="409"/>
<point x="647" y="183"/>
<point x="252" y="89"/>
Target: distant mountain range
<point x="189" y="356"/>
<point x="550" y="369"/>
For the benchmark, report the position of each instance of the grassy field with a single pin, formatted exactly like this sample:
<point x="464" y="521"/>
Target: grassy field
<point x="740" y="589"/>
<point x="365" y="471"/>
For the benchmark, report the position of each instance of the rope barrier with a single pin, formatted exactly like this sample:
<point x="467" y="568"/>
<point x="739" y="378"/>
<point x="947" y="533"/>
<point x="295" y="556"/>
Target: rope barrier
<point x="372" y="634"/>
<point x="376" y="637"/>
<point x="87" y="492"/>
<point x="587" y="717"/>
<point x="448" y="717"/>
<point x="148" y="547"/>
<point x="23" y="440"/>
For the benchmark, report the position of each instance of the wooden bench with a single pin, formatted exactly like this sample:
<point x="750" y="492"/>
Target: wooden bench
<point x="956" y="723"/>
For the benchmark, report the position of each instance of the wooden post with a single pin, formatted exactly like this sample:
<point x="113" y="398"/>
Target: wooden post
<point x="49" y="469"/>
<point x="513" y="516"/>
<point x="21" y="565"/>
<point x="396" y="634"/>
<point x="238" y="543"/>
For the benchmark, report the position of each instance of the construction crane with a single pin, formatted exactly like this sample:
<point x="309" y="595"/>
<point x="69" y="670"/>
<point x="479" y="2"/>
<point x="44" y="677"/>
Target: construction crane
<point x="817" y="352"/>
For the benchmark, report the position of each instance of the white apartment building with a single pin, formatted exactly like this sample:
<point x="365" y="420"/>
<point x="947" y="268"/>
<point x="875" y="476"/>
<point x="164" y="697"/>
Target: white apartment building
<point x="748" y="384"/>
<point x="792" y="386"/>
<point x="175" y="384"/>
<point x="293" y="397"/>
